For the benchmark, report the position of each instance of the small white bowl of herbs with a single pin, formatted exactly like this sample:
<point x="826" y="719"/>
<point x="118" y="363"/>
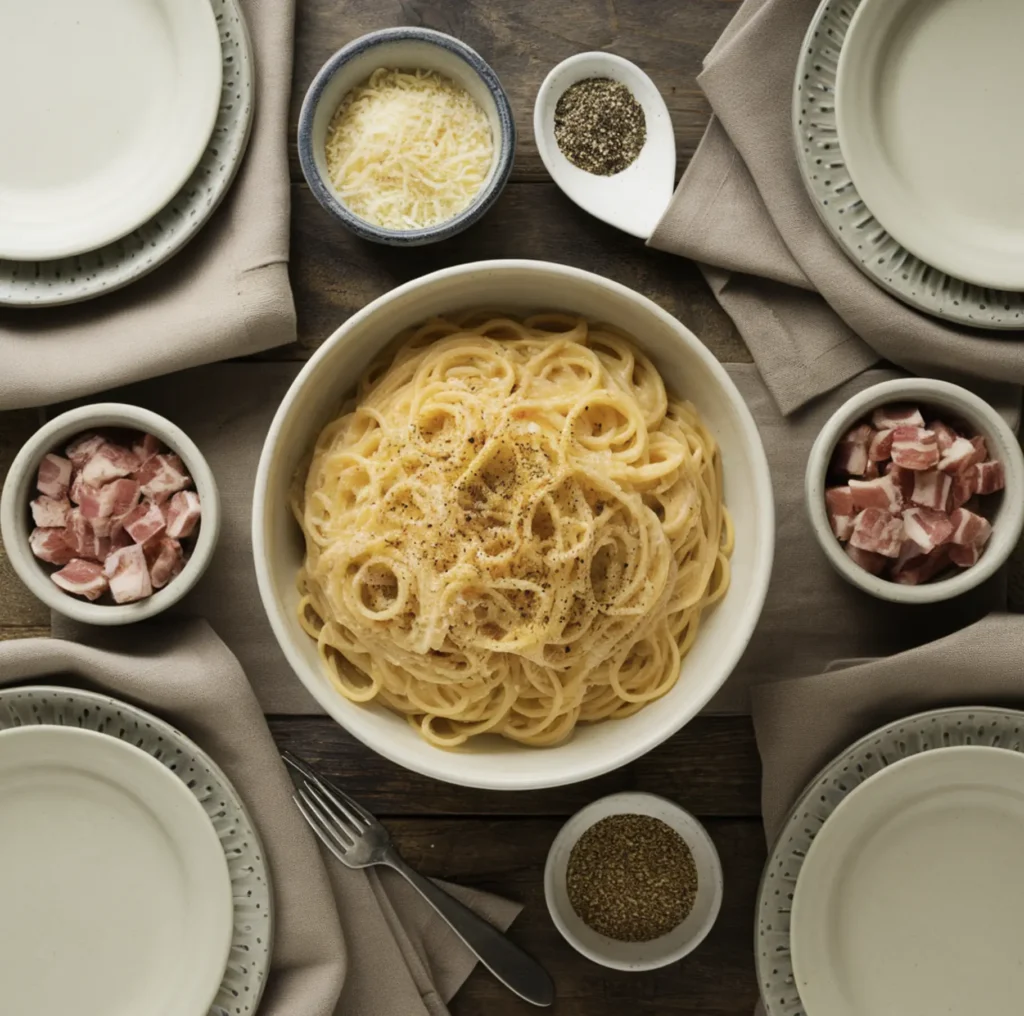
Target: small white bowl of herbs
<point x="633" y="882"/>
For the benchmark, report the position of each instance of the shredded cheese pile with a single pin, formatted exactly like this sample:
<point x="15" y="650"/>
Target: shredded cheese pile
<point x="408" y="149"/>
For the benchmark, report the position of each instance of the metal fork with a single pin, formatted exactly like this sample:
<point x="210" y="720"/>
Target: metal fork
<point x="358" y="840"/>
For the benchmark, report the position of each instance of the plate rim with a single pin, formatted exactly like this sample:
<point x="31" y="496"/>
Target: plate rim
<point x="77" y="744"/>
<point x="93" y="274"/>
<point x="910" y="234"/>
<point x="772" y="965"/>
<point x="940" y="756"/>
<point x="860" y="235"/>
<point x="255" y="967"/>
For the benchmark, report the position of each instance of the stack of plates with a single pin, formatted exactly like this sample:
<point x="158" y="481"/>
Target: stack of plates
<point x="906" y="117"/>
<point x="135" y="882"/>
<point x="123" y="124"/>
<point x="896" y="886"/>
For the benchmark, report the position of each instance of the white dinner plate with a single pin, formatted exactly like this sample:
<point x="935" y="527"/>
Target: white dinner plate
<point x="910" y="898"/>
<point x="108" y="107"/>
<point x="117" y="899"/>
<point x="928" y="106"/>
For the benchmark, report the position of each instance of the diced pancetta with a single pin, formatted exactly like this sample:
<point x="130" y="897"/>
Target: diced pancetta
<point x="162" y="476"/>
<point x="79" y="488"/>
<point x="878" y="531"/>
<point x="927" y="527"/>
<point x="50" y="546"/>
<point x="931" y="489"/>
<point x="890" y="417"/>
<point x="82" y="578"/>
<point x="969" y="528"/>
<point x="963" y="488"/>
<point x="128" y="574"/>
<point x="921" y="569"/>
<point x="50" y="512"/>
<point x="880" y="448"/>
<point x="944" y="434"/>
<point x="109" y="462"/>
<point x="144" y="522"/>
<point x="958" y="456"/>
<point x="112" y="500"/>
<point x="166" y="560"/>
<point x="870" y="562"/>
<point x="80" y="451"/>
<point x="879" y="493"/>
<point x="54" y="476"/>
<point x="183" y="513"/>
<point x="915" y="448"/>
<point x="965" y="557"/>
<point x="145" y="447"/>
<point x="851" y="455"/>
<point x="988" y="477"/>
<point x="81" y="536"/>
<point x="839" y="500"/>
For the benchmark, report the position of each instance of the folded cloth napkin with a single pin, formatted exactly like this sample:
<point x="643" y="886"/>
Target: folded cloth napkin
<point x="802" y="724"/>
<point x="391" y="954"/>
<point x="226" y="408"/>
<point x="810" y="317"/>
<point x="226" y="294"/>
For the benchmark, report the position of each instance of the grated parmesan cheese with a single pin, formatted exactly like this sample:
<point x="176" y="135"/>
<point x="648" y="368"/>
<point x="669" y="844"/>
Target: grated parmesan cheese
<point x="408" y="149"/>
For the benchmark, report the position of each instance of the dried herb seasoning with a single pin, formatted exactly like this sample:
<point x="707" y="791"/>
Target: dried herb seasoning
<point x="599" y="126"/>
<point x="631" y="878"/>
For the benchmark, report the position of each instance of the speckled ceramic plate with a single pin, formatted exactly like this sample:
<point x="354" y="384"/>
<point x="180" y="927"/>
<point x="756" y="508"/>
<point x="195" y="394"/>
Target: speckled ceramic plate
<point x="84" y="276"/>
<point x="839" y="204"/>
<point x="249" y="958"/>
<point x="944" y="728"/>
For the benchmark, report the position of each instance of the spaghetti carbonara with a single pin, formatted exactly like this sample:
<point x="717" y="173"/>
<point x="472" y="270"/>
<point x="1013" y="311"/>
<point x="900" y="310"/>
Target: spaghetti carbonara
<point x="512" y="530"/>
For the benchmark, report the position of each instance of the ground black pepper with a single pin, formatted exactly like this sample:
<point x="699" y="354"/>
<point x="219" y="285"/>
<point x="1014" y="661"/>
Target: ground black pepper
<point x="599" y="126"/>
<point x="631" y="878"/>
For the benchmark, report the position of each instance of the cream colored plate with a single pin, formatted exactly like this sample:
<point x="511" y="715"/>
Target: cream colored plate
<point x="108" y="107"/>
<point x="910" y="899"/>
<point x="928" y="105"/>
<point x="117" y="899"/>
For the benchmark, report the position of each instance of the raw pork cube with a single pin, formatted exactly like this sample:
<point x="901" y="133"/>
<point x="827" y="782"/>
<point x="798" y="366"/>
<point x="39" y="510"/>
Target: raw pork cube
<point x="927" y="528"/>
<point x="50" y="546"/>
<point x="851" y="454"/>
<point x="145" y="521"/>
<point x="915" y="448"/>
<point x="183" y="512"/>
<point x="50" y="512"/>
<point x="840" y="510"/>
<point x="83" y="449"/>
<point x="890" y="417"/>
<point x="965" y="557"/>
<point x="162" y="476"/>
<point x="944" y="434"/>
<point x="82" y="578"/>
<point x="969" y="529"/>
<point x="878" y="531"/>
<point x="920" y="569"/>
<point x="82" y="537"/>
<point x="109" y="462"/>
<point x="54" y="476"/>
<point x="110" y="502"/>
<point x="873" y="563"/>
<point x="145" y="447"/>
<point x="166" y="559"/>
<point x="128" y="574"/>
<point x="881" y="493"/>
<point x="931" y="489"/>
<point x="880" y="448"/>
<point x="989" y="477"/>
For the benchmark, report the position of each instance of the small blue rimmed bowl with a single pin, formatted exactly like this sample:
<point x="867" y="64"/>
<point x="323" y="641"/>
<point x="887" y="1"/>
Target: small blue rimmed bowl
<point x="406" y="49"/>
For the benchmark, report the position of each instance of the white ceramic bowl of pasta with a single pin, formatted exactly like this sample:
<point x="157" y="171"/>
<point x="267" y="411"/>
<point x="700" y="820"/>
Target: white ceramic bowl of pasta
<point x="689" y="371"/>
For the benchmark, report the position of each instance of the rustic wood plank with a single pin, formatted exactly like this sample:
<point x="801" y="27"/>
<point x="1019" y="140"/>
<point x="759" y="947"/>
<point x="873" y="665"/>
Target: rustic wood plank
<point x="711" y="767"/>
<point x="523" y="41"/>
<point x="334" y="273"/>
<point x="507" y="857"/>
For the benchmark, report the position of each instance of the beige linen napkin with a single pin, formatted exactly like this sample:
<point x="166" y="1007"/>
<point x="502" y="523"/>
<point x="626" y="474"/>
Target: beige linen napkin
<point x="226" y="294"/>
<point x="391" y="954"/>
<point x="741" y="210"/>
<point x="226" y="408"/>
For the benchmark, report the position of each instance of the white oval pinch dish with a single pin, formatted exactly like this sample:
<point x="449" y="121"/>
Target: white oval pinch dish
<point x="635" y="199"/>
<point x="910" y="896"/>
<point x="928" y="110"/>
<point x="109" y="106"/>
<point x="118" y="899"/>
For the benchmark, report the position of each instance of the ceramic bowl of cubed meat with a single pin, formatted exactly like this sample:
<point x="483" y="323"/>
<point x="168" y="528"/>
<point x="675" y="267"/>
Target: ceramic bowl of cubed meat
<point x="109" y="514"/>
<point x="915" y="489"/>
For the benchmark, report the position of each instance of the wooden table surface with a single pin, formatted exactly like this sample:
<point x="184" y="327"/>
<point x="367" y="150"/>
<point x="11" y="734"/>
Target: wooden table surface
<point x="495" y="841"/>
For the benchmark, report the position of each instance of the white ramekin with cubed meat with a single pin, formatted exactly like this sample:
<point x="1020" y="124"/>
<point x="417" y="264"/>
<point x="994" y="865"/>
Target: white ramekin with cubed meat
<point x="109" y="514"/>
<point x="915" y="489"/>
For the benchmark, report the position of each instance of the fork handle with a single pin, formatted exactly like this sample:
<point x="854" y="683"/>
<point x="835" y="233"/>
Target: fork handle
<point x="503" y="958"/>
